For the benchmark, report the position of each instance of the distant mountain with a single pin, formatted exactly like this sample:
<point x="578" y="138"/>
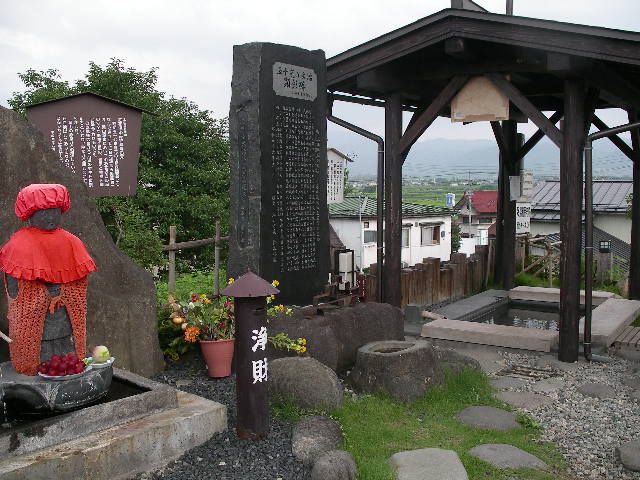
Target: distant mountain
<point x="478" y="158"/>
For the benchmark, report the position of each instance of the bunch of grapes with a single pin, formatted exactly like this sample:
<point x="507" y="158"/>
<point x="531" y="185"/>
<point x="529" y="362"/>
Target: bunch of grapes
<point x="59" y="366"/>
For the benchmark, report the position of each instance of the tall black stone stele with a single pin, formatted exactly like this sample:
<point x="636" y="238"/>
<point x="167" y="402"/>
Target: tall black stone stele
<point x="278" y="133"/>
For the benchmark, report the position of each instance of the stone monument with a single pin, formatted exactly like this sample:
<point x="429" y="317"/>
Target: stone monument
<point x="278" y="134"/>
<point x="121" y="300"/>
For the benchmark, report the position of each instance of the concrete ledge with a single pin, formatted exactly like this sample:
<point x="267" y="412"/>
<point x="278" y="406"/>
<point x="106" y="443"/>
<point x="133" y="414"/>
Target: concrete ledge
<point x="542" y="294"/>
<point x="125" y="450"/>
<point x="496" y="335"/>
<point x="610" y="319"/>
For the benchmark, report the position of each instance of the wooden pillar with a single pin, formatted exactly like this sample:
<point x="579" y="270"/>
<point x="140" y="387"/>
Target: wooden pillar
<point x="511" y="167"/>
<point x="497" y="257"/>
<point x="571" y="217"/>
<point x="634" y="263"/>
<point x="393" y="200"/>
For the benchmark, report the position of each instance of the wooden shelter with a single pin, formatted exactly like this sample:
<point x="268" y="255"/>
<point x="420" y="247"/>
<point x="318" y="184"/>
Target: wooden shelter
<point x="541" y="66"/>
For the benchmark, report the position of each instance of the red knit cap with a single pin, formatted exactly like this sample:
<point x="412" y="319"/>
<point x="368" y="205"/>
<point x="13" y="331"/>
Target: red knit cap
<point x="40" y="196"/>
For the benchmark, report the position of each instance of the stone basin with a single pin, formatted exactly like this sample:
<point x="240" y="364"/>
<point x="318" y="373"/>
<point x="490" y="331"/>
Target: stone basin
<point x="35" y="394"/>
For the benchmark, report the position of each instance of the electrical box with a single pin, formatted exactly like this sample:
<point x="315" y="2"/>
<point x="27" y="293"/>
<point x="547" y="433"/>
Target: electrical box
<point x="478" y="101"/>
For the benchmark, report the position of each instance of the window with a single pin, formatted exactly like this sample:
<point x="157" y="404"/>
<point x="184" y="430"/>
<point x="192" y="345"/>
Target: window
<point x="370" y="236"/>
<point x="430" y="235"/>
<point x="485" y="220"/>
<point x="405" y="236"/>
<point x="465" y="219"/>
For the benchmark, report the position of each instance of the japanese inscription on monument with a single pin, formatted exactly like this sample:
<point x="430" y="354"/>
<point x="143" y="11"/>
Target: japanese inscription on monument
<point x="95" y="137"/>
<point x="277" y="124"/>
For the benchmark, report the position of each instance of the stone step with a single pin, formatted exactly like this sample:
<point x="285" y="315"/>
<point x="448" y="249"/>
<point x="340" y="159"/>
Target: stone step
<point x="507" y="456"/>
<point x="487" y="334"/>
<point x="428" y="464"/>
<point x="125" y="450"/>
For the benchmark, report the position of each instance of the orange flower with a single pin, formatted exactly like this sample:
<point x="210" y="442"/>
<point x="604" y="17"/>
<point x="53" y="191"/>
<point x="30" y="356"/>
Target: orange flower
<point x="191" y="334"/>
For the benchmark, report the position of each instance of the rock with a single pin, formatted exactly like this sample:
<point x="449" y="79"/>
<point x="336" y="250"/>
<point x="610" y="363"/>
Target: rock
<point x="426" y="314"/>
<point x="635" y="395"/>
<point x="335" y="337"/>
<point x="632" y="382"/>
<point x="313" y="436"/>
<point x="334" y="465"/>
<point x="507" y="456"/>
<point x="455" y="361"/>
<point x="121" y="309"/>
<point x="403" y="370"/>
<point x="489" y="418"/>
<point x="524" y="400"/>
<point x="428" y="464"/>
<point x="629" y="455"/>
<point x="548" y="385"/>
<point x="306" y="382"/>
<point x="504" y="383"/>
<point x="597" y="390"/>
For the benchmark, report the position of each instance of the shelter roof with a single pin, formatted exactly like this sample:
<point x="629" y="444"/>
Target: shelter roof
<point x="354" y="207"/>
<point x="89" y="94"/>
<point x="538" y="54"/>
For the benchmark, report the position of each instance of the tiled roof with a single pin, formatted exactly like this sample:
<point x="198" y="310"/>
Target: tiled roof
<point x="621" y="250"/>
<point x="482" y="201"/>
<point x="608" y="197"/>
<point x="352" y="206"/>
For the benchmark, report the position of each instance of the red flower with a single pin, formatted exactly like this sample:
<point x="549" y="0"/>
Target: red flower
<point x="222" y="324"/>
<point x="194" y="297"/>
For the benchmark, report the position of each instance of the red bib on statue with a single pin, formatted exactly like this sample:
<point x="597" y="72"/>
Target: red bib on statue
<point x="53" y="256"/>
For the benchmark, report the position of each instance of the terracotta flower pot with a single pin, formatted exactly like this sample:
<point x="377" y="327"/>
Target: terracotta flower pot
<point x="218" y="355"/>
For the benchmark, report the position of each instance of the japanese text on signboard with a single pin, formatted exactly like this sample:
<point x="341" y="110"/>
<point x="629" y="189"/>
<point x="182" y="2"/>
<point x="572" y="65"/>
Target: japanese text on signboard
<point x="523" y="217"/>
<point x="294" y="81"/>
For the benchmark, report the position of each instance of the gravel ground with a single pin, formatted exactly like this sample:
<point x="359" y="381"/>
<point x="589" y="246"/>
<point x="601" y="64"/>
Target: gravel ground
<point x="224" y="456"/>
<point x="587" y="430"/>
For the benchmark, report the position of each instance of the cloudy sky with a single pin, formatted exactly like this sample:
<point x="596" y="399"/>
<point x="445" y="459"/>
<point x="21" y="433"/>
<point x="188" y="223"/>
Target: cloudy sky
<point x="190" y="41"/>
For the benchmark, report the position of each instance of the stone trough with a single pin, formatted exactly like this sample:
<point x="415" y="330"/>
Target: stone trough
<point x="139" y="426"/>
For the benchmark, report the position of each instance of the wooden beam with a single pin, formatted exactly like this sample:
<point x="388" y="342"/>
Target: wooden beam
<point x="614" y="87"/>
<point x="511" y="167"/>
<point x="393" y="200"/>
<point x="634" y="262"/>
<point x="366" y="101"/>
<point x="414" y="132"/>
<point x="615" y="139"/>
<point x="571" y="217"/>
<point x="536" y="137"/>
<point x="500" y="140"/>
<point x="523" y="103"/>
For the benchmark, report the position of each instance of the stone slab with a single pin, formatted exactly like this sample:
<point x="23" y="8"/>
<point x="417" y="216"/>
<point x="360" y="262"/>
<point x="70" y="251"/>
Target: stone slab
<point x="428" y="464"/>
<point x="548" y="385"/>
<point x="523" y="400"/>
<point x="542" y="294"/>
<point x="472" y="305"/>
<point x="504" y="383"/>
<point x="609" y="320"/>
<point x="629" y="455"/>
<point x="507" y="456"/>
<point x="632" y="381"/>
<point x="597" y="390"/>
<point x="279" y="225"/>
<point x="489" y="418"/>
<point x="125" y="450"/>
<point x="496" y="335"/>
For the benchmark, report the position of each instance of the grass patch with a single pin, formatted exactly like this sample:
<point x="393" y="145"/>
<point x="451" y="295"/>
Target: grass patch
<point x="529" y="280"/>
<point x="636" y="322"/>
<point x="197" y="282"/>
<point x="375" y="428"/>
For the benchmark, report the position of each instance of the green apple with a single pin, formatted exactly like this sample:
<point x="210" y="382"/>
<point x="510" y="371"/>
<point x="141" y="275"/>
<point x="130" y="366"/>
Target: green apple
<point x="100" y="354"/>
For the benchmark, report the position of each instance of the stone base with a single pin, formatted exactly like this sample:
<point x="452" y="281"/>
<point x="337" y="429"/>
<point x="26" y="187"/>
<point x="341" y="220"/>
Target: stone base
<point x="125" y="450"/>
<point x="35" y="394"/>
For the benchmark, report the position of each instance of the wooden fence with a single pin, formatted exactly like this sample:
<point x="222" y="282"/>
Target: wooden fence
<point x="433" y="281"/>
<point x="174" y="247"/>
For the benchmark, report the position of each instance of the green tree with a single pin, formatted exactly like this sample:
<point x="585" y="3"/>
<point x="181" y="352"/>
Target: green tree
<point x="456" y="239"/>
<point x="183" y="176"/>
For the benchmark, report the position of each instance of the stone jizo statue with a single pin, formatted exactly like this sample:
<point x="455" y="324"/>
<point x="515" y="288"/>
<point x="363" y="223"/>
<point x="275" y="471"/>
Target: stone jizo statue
<point x="45" y="272"/>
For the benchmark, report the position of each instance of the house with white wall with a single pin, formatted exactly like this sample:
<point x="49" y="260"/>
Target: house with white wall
<point x="478" y="211"/>
<point x="610" y="208"/>
<point x="426" y="230"/>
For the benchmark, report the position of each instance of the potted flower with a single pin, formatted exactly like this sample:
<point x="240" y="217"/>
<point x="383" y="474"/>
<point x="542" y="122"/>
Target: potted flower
<point x="209" y="321"/>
